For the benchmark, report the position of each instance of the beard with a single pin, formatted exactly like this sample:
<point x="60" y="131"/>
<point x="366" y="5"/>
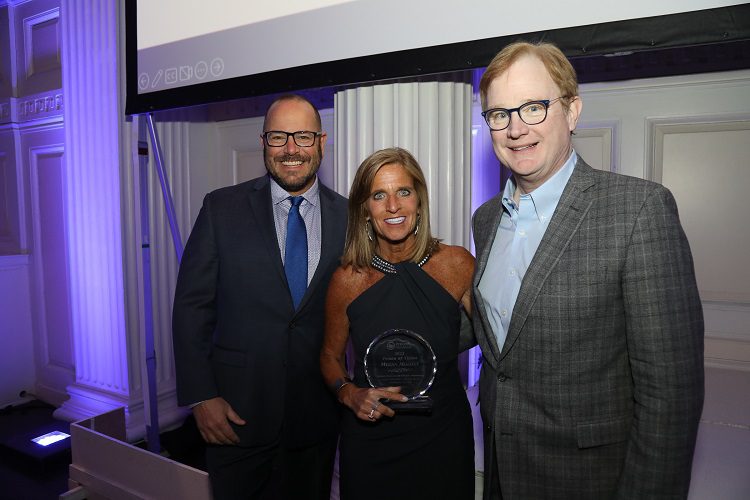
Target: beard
<point x="296" y="181"/>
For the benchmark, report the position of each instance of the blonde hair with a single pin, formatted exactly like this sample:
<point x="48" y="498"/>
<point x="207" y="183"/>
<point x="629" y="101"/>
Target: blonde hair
<point x="359" y="249"/>
<point x="557" y="65"/>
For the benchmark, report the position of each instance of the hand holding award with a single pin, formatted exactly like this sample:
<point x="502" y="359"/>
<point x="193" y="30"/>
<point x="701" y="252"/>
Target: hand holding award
<point x="402" y="358"/>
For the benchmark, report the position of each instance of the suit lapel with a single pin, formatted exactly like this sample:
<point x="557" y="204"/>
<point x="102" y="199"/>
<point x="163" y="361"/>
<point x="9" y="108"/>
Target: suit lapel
<point x="259" y="198"/>
<point x="484" y="256"/>
<point x="482" y="259"/>
<point x="329" y="250"/>
<point x="574" y="203"/>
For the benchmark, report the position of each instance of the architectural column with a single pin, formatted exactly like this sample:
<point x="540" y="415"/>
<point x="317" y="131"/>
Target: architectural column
<point x="97" y="143"/>
<point x="430" y="119"/>
<point x="174" y="135"/>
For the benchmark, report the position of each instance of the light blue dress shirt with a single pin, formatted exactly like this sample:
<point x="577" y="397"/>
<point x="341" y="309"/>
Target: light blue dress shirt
<point x="518" y="236"/>
<point x="310" y="212"/>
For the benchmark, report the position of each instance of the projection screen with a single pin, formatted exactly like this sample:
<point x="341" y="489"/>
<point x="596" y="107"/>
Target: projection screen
<point x="186" y="52"/>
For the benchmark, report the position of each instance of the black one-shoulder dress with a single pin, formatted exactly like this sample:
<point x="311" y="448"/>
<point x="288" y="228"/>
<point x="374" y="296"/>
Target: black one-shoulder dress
<point x="410" y="456"/>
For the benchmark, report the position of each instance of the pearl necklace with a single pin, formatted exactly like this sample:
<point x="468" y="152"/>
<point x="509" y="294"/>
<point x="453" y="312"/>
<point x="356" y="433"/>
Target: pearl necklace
<point x="386" y="267"/>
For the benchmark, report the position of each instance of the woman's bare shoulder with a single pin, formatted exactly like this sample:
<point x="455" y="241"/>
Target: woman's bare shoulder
<point x="452" y="267"/>
<point x="454" y="256"/>
<point x="347" y="283"/>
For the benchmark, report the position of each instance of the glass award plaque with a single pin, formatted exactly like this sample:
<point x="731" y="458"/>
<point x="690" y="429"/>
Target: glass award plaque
<point x="402" y="358"/>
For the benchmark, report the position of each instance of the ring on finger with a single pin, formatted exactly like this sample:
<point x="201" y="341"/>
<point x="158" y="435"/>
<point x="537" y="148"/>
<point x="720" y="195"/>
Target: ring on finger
<point x="371" y="416"/>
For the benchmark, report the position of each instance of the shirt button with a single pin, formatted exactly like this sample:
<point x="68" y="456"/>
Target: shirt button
<point x="504" y="313"/>
<point x="512" y="272"/>
<point x="522" y="232"/>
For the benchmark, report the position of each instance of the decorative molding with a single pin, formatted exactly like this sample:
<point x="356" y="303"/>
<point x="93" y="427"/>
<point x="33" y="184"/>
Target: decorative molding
<point x="238" y="139"/>
<point x="52" y="388"/>
<point x="87" y="402"/>
<point x="6" y="111"/>
<point x="727" y="320"/>
<point x="40" y="283"/>
<point x="40" y="125"/>
<point x="727" y="353"/>
<point x="43" y="105"/>
<point x="53" y="373"/>
<point x="609" y="132"/>
<point x="724" y="79"/>
<point x="656" y="131"/>
<point x="724" y="304"/>
<point x="723" y="297"/>
<point x="29" y="25"/>
<point x="657" y="128"/>
<point x="12" y="262"/>
<point x="16" y="196"/>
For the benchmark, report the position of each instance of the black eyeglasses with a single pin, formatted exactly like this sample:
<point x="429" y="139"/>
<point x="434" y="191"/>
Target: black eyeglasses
<point x="302" y="138"/>
<point x="532" y="113"/>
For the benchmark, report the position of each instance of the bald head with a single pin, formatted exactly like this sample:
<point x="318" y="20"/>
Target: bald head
<point x="288" y="98"/>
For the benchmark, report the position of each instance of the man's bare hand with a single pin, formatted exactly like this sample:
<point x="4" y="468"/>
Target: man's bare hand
<point x="213" y="417"/>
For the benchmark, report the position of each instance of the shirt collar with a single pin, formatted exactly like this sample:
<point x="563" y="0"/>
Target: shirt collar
<point x="543" y="199"/>
<point x="279" y="194"/>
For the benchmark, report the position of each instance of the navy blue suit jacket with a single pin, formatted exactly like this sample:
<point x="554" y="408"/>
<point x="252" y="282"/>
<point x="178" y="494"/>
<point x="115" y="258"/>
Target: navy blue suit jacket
<point x="235" y="331"/>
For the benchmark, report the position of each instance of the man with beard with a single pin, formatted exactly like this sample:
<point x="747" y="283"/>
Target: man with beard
<point x="248" y="318"/>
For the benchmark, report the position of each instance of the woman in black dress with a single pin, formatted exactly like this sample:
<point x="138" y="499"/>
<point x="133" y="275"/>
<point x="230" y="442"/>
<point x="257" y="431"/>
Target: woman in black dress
<point x="395" y="275"/>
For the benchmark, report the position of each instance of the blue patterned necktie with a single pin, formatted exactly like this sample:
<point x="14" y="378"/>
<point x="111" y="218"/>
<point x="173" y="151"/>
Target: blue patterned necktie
<point x="295" y="254"/>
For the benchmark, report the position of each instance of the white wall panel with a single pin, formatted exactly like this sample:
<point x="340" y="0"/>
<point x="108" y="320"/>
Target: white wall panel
<point x="595" y="142"/>
<point x="691" y="133"/>
<point x="50" y="258"/>
<point x="12" y="195"/>
<point x="41" y="157"/>
<point x="38" y="46"/>
<point x="706" y="167"/>
<point x="240" y="152"/>
<point x="7" y="66"/>
<point x="18" y="366"/>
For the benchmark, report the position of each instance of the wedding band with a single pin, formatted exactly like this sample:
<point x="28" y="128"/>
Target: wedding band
<point x="376" y="405"/>
<point x="371" y="416"/>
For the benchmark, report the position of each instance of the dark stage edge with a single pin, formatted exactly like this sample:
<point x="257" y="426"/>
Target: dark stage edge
<point x="30" y="473"/>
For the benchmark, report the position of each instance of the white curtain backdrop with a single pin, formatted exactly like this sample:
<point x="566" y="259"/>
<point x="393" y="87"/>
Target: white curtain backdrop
<point x="430" y="119"/>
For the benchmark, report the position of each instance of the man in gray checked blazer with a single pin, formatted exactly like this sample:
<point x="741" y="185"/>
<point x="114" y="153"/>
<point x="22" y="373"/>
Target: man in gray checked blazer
<point x="586" y="307"/>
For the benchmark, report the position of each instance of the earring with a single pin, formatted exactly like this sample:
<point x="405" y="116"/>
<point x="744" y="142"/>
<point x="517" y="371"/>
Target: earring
<point x="368" y="230"/>
<point x="419" y="219"/>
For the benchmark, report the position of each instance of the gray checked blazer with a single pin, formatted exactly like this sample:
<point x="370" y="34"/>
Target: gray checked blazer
<point x="598" y="389"/>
